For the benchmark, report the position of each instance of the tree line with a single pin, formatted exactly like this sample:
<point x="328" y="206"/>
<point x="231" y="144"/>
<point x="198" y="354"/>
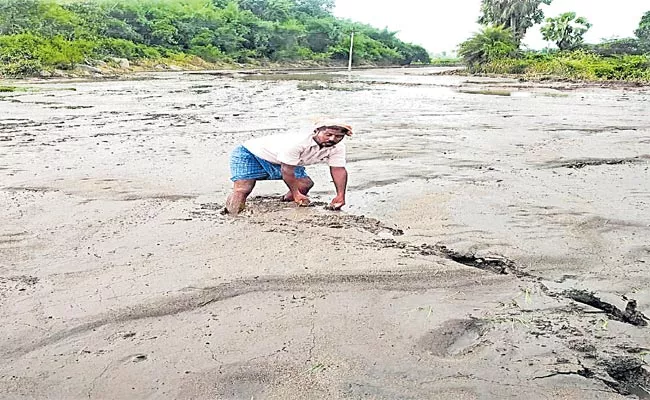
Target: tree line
<point x="41" y="34"/>
<point x="497" y="47"/>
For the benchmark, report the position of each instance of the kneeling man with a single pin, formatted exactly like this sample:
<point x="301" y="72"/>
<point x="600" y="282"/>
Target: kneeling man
<point x="284" y="156"/>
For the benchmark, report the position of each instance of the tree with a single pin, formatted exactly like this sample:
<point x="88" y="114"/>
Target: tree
<point x="37" y="34"/>
<point x="643" y="33"/>
<point x="286" y="40"/>
<point x="492" y="43"/>
<point x="566" y="30"/>
<point x="631" y="46"/>
<point x="315" y="8"/>
<point x="413" y="53"/>
<point x="46" y="18"/>
<point x="17" y="16"/>
<point x="270" y="10"/>
<point x="323" y="33"/>
<point x="516" y="15"/>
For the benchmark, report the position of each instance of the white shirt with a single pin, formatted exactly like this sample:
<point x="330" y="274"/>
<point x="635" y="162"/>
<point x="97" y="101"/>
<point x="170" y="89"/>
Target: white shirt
<point x="296" y="150"/>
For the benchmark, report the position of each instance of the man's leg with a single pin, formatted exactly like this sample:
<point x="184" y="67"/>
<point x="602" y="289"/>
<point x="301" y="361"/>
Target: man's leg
<point x="304" y="186"/>
<point x="237" y="199"/>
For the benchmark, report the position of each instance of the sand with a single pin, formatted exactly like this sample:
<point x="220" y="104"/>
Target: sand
<point x="495" y="242"/>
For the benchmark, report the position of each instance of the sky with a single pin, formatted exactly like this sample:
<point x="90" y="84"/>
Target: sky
<point x="441" y="25"/>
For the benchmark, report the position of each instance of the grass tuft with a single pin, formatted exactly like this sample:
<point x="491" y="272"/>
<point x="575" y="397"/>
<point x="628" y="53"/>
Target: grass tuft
<point x="9" y="89"/>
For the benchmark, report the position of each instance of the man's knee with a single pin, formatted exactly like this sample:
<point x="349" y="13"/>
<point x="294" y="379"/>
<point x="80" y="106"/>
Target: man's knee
<point x="243" y="187"/>
<point x="307" y="182"/>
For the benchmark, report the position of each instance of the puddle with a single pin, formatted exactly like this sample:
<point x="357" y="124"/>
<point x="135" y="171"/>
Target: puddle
<point x="291" y="77"/>
<point x="487" y="92"/>
<point x="327" y="86"/>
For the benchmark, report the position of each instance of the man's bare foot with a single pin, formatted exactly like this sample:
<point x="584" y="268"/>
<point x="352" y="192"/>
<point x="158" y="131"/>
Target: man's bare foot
<point x="234" y="206"/>
<point x="287" y="197"/>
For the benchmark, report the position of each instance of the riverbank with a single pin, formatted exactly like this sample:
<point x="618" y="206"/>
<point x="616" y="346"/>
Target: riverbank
<point x="117" y="68"/>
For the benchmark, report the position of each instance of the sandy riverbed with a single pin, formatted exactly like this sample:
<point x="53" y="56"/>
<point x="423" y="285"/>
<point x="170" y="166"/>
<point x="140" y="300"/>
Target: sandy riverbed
<point x="481" y="214"/>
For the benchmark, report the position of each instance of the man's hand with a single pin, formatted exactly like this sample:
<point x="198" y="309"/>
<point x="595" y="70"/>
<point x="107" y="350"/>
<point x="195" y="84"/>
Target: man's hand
<point x="301" y="199"/>
<point x="293" y="183"/>
<point x="337" y="203"/>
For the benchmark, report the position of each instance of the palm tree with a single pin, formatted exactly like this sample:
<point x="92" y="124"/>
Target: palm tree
<point x="492" y="43"/>
<point x="518" y="15"/>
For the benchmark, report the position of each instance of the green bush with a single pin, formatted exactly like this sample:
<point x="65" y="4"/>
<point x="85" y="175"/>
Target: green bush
<point x="21" y="68"/>
<point x="208" y="52"/>
<point x="26" y="54"/>
<point x="117" y="48"/>
<point x="627" y="46"/>
<point x="581" y="65"/>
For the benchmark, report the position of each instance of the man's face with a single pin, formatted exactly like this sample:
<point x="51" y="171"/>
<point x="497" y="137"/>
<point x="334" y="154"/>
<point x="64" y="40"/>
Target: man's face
<point x="329" y="136"/>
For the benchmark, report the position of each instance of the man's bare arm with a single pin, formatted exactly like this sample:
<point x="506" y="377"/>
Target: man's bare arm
<point x="340" y="178"/>
<point x="289" y="177"/>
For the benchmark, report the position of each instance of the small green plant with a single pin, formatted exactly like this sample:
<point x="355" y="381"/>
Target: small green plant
<point x="316" y="368"/>
<point x="604" y="323"/>
<point x="642" y="355"/>
<point x="527" y="296"/>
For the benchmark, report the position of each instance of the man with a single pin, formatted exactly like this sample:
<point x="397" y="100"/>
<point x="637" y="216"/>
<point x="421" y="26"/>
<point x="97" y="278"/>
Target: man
<point x="284" y="156"/>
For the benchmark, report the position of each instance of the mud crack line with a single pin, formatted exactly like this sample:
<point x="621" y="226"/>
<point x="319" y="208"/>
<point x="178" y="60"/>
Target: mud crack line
<point x="495" y="264"/>
<point x="630" y="315"/>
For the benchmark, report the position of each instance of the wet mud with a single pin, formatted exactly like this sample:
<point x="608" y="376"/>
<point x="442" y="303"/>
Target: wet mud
<point x="494" y="240"/>
<point x="631" y="375"/>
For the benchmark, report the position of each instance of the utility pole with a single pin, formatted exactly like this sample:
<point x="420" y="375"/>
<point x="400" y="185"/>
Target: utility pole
<point x="351" y="45"/>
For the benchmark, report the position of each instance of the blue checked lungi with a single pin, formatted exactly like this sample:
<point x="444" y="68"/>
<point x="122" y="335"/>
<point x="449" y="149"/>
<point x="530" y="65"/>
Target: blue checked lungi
<point x="246" y="165"/>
